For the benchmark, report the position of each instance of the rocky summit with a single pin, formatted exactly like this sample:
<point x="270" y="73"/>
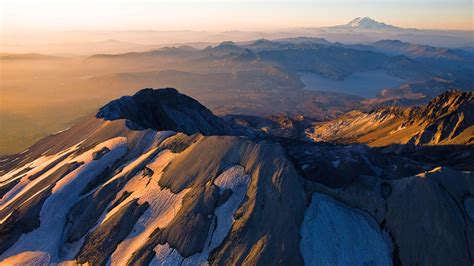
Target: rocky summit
<point x="164" y="109"/>
<point x="158" y="179"/>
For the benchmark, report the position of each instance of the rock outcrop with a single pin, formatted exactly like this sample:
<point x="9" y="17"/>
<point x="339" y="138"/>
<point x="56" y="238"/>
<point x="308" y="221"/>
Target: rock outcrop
<point x="164" y="109"/>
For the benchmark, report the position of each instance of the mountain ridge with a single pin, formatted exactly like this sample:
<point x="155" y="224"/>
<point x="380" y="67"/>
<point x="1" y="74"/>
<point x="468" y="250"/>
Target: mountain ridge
<point x="102" y="192"/>
<point x="447" y="119"/>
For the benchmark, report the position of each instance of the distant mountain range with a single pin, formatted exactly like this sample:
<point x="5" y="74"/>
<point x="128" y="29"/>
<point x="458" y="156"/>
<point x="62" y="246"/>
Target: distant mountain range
<point x="332" y="60"/>
<point x="357" y="31"/>
<point x="396" y="47"/>
<point x="26" y="57"/>
<point x="242" y="77"/>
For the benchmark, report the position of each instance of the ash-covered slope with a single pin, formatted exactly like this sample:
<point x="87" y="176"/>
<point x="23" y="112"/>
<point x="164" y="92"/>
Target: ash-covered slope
<point x="103" y="191"/>
<point x="447" y="119"/>
<point x="118" y="192"/>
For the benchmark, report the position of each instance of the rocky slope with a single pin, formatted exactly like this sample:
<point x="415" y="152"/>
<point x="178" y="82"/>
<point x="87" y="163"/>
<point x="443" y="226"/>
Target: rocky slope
<point x="111" y="190"/>
<point x="136" y="186"/>
<point x="447" y="119"/>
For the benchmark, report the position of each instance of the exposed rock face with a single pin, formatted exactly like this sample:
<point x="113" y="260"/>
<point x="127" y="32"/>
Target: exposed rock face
<point x="433" y="202"/>
<point x="164" y="109"/>
<point x="422" y="207"/>
<point x="447" y="119"/>
<point x="105" y="192"/>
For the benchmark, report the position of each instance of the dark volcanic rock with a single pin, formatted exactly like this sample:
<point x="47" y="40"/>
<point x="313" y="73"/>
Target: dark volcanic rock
<point x="98" y="154"/>
<point x="164" y="109"/>
<point x="5" y="188"/>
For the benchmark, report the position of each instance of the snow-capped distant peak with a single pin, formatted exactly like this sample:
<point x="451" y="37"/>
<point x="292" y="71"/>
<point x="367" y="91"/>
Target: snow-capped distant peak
<point x="367" y="23"/>
<point x="357" y="22"/>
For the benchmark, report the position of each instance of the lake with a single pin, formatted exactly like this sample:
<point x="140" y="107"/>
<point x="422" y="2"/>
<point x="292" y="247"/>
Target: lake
<point x="364" y="84"/>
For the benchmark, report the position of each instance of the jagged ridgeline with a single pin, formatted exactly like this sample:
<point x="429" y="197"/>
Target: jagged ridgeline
<point x="447" y="119"/>
<point x="156" y="178"/>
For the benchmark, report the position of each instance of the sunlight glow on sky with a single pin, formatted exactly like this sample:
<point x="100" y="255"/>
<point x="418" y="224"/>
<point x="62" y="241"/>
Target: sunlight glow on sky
<point x="35" y="15"/>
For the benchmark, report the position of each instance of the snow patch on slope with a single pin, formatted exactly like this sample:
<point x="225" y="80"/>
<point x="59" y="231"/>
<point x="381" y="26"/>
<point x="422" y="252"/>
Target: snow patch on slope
<point x="332" y="234"/>
<point x="166" y="256"/>
<point x="47" y="238"/>
<point x="469" y="205"/>
<point x="30" y="169"/>
<point x="164" y="205"/>
<point x="234" y="179"/>
<point x="27" y="258"/>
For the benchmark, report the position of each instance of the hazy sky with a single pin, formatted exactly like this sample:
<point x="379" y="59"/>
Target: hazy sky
<point x="35" y="15"/>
